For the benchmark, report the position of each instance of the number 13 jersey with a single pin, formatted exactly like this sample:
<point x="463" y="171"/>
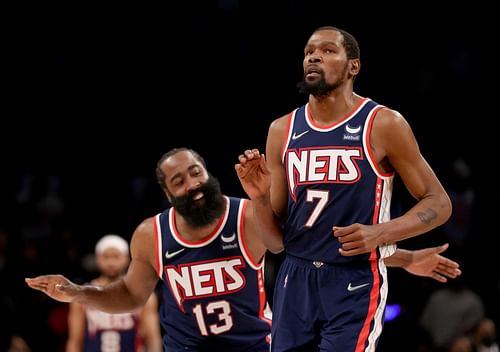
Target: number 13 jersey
<point x="213" y="297"/>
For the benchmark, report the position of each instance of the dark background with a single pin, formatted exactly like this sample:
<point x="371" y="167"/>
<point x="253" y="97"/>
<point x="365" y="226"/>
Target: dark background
<point x="94" y="96"/>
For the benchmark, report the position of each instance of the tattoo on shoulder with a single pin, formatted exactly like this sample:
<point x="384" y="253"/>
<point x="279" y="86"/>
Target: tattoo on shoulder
<point x="427" y="216"/>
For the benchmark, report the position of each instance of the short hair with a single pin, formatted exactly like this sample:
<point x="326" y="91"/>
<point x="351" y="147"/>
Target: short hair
<point x="160" y="176"/>
<point x="350" y="43"/>
<point x="111" y="241"/>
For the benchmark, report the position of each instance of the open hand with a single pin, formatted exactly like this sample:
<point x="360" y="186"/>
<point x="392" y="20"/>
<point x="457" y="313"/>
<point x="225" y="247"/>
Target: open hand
<point x="429" y="262"/>
<point x="55" y="286"/>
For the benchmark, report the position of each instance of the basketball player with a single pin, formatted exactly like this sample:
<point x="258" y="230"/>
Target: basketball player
<point x="328" y="181"/>
<point x="208" y="253"/>
<point x="91" y="330"/>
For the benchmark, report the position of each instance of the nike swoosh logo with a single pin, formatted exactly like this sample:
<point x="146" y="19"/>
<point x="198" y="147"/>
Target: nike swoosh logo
<point x="352" y="130"/>
<point x="173" y="254"/>
<point x="354" y="288"/>
<point x="297" y="136"/>
<point x="228" y="239"/>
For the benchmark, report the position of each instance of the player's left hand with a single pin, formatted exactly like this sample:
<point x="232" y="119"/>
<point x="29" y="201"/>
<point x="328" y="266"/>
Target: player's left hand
<point x="356" y="238"/>
<point x="428" y="262"/>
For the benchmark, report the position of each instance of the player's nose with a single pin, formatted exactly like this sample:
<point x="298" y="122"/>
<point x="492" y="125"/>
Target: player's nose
<point x="314" y="57"/>
<point x="193" y="185"/>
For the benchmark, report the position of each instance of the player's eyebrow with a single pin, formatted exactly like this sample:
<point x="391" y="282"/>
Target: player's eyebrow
<point x="179" y="174"/>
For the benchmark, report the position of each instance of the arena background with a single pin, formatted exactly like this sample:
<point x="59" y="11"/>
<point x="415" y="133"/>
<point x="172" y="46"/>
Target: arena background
<point x="94" y="96"/>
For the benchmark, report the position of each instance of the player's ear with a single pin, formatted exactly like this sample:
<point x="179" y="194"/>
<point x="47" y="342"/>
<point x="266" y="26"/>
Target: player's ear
<point x="168" y="196"/>
<point x="167" y="193"/>
<point x="354" y="66"/>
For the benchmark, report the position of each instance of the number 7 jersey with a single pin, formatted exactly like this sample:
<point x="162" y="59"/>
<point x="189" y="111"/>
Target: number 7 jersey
<point x="213" y="292"/>
<point x="333" y="180"/>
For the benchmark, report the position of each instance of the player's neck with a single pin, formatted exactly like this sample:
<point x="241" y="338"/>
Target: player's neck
<point x="333" y="107"/>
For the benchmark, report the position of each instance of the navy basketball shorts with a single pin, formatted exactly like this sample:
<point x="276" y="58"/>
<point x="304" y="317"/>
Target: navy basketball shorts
<point x="328" y="307"/>
<point x="219" y="346"/>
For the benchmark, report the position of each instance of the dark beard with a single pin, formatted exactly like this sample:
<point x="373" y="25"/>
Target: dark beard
<point x="320" y="88"/>
<point x="204" y="211"/>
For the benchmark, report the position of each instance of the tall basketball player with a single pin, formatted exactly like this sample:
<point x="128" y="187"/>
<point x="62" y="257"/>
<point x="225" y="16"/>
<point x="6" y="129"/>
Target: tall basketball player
<point x="332" y="163"/>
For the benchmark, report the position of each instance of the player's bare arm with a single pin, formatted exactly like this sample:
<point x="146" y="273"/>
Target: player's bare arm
<point x="126" y="294"/>
<point x="253" y="239"/>
<point x="141" y="277"/>
<point x="395" y="149"/>
<point x="150" y="328"/>
<point x="402" y="151"/>
<point x="256" y="179"/>
<point x="274" y="149"/>
<point x="76" y="328"/>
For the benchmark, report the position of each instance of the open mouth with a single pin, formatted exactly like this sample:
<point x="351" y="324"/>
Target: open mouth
<point x="313" y="73"/>
<point x="313" y="70"/>
<point x="198" y="196"/>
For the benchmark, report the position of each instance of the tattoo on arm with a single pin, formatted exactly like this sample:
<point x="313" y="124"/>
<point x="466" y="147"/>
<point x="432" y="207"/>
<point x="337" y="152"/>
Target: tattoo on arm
<point x="427" y="216"/>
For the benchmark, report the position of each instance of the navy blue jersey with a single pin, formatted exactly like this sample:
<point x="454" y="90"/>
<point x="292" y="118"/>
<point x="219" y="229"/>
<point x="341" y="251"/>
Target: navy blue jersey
<point x="213" y="297"/>
<point x="111" y="332"/>
<point x="332" y="180"/>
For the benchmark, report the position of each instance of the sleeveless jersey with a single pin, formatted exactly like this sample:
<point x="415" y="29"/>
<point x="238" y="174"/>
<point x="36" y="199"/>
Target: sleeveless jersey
<point x="111" y="332"/>
<point x="333" y="180"/>
<point x="213" y="297"/>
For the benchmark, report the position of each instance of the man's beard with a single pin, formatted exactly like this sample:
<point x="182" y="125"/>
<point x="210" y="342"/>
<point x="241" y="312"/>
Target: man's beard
<point x="204" y="211"/>
<point x="321" y="88"/>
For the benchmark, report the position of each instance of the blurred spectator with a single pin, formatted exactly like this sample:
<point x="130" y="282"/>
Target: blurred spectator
<point x="17" y="344"/>
<point x="90" y="329"/>
<point x="450" y="312"/>
<point x="10" y="337"/>
<point x="461" y="344"/>
<point x="485" y="337"/>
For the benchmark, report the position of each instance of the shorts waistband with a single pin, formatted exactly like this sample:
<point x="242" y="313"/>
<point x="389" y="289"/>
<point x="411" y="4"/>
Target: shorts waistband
<point x="307" y="262"/>
<point x="320" y="264"/>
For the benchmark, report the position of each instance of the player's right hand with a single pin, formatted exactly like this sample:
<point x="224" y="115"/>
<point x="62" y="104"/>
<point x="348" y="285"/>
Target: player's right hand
<point x="253" y="173"/>
<point x="55" y="286"/>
